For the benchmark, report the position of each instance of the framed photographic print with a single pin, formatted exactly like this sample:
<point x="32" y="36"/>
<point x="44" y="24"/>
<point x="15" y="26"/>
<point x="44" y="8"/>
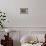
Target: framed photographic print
<point x="23" y="10"/>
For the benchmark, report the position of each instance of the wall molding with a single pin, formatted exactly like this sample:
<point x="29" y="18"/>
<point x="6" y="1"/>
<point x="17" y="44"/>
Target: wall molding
<point x="24" y="27"/>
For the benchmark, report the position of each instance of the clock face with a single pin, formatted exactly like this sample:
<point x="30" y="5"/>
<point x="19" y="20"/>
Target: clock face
<point x="23" y="10"/>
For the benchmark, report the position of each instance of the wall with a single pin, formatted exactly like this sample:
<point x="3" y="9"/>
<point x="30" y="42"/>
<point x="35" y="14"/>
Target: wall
<point x="35" y="18"/>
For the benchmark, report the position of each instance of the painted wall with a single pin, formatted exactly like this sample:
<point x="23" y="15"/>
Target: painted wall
<point x="36" y="16"/>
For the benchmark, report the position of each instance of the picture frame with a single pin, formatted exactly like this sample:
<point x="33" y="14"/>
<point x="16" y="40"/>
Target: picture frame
<point x="23" y="10"/>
